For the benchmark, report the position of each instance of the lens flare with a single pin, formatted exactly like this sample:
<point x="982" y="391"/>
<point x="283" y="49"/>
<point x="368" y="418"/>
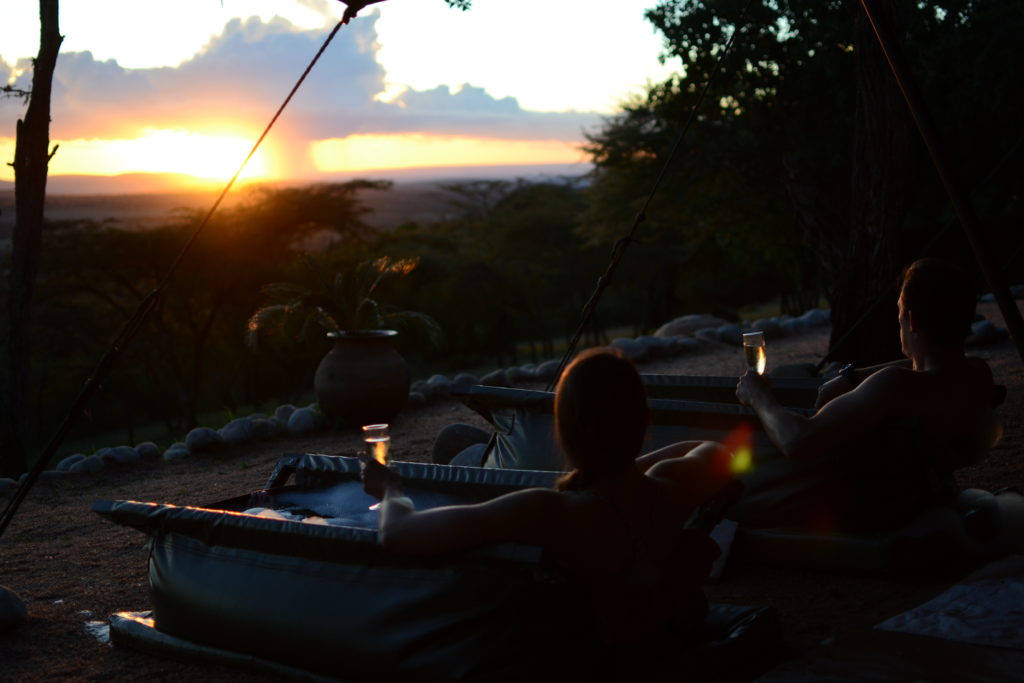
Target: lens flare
<point x="740" y="442"/>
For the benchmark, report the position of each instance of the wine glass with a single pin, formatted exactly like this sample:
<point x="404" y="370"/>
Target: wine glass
<point x="753" y="351"/>
<point x="378" y="446"/>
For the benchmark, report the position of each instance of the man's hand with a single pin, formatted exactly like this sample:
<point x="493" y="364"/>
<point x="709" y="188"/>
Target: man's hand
<point x="751" y="386"/>
<point x="378" y="479"/>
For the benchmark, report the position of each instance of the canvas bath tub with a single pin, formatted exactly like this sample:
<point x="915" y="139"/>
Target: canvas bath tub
<point x="325" y="597"/>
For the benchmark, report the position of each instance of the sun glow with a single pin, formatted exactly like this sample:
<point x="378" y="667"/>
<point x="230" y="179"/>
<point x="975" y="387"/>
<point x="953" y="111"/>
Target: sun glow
<point x="364" y="152"/>
<point x="205" y="157"/>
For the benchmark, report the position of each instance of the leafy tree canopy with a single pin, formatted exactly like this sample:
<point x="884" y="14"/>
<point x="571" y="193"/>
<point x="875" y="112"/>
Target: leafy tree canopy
<point x="773" y="143"/>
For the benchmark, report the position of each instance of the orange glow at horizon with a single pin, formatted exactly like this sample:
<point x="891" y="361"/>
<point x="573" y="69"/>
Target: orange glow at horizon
<point x="204" y="157"/>
<point x="366" y="152"/>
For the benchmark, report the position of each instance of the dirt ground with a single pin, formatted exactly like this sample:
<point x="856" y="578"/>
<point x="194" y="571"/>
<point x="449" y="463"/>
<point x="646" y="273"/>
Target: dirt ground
<point x="72" y="567"/>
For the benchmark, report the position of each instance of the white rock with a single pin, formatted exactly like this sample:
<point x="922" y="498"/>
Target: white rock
<point x="730" y="334"/>
<point x="439" y="385"/>
<point x="515" y="375"/>
<point x="203" y="439"/>
<point x="791" y="328"/>
<point x="769" y="326"/>
<point x="148" y="450"/>
<point x="67" y="462"/>
<point x="688" y="324"/>
<point x="656" y="346"/>
<point x="529" y="370"/>
<point x="122" y="455"/>
<point x="45" y="475"/>
<point x="547" y="370"/>
<point x="174" y="453"/>
<point x="282" y="413"/>
<point x="304" y="421"/>
<point x="465" y="380"/>
<point x="94" y="463"/>
<point x="815" y="317"/>
<point x="264" y="429"/>
<point x="237" y="431"/>
<point x="630" y="348"/>
<point x="687" y="344"/>
<point x="984" y="332"/>
<point x="495" y="378"/>
<point x="176" y="450"/>
<point x="708" y="334"/>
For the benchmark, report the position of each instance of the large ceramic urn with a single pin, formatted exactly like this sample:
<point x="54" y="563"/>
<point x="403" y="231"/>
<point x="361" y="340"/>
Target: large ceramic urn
<point x="363" y="379"/>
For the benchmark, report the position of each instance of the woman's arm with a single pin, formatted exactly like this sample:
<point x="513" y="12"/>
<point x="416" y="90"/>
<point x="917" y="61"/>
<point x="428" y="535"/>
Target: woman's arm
<point x="533" y="516"/>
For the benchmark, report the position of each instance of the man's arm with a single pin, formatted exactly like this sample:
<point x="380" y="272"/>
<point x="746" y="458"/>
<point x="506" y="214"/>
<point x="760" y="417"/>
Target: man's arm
<point x="846" y="417"/>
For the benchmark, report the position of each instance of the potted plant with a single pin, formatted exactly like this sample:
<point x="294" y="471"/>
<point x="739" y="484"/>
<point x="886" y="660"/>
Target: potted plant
<point x="362" y="379"/>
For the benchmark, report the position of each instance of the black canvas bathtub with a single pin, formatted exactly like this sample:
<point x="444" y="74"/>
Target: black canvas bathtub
<point x="289" y="596"/>
<point x="683" y="408"/>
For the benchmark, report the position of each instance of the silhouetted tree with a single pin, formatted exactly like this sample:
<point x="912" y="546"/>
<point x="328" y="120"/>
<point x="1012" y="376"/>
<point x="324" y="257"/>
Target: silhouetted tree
<point x="804" y="148"/>
<point x="32" y="156"/>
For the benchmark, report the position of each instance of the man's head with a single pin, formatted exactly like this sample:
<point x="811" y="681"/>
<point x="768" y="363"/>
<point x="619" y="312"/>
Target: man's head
<point x="941" y="299"/>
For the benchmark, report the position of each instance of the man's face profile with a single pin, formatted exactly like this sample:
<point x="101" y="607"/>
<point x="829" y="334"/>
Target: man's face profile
<point x="904" y="316"/>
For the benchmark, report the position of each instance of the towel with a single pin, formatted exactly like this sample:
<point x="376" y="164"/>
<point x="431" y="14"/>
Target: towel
<point x="986" y="608"/>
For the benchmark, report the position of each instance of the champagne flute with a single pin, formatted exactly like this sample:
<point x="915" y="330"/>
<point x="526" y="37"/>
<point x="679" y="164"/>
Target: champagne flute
<point x="753" y="351"/>
<point x="378" y="443"/>
<point x="378" y="446"/>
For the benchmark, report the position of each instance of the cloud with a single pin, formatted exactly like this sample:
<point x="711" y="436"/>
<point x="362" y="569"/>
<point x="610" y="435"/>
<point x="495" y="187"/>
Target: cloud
<point x="243" y="74"/>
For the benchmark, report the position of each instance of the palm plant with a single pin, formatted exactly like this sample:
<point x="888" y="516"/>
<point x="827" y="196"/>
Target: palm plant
<point x="339" y="302"/>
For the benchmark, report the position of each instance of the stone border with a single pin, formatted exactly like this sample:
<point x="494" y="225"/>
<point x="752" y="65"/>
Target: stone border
<point x="293" y="421"/>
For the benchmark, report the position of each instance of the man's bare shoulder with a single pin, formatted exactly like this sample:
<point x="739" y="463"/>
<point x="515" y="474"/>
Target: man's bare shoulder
<point x="893" y="379"/>
<point x="897" y="391"/>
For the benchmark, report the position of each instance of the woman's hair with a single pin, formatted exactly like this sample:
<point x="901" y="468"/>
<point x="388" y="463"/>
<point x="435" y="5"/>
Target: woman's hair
<point x="942" y="299"/>
<point x="601" y="417"/>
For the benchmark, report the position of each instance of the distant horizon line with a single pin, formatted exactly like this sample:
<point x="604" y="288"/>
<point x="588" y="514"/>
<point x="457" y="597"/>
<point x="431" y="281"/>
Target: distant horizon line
<point x="159" y="183"/>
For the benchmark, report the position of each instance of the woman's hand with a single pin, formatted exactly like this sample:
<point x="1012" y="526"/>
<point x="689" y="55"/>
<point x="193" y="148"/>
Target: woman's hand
<point x="378" y="479"/>
<point x="750" y="387"/>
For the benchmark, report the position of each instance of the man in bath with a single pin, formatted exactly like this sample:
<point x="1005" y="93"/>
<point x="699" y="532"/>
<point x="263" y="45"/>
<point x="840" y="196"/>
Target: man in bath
<point x="884" y="441"/>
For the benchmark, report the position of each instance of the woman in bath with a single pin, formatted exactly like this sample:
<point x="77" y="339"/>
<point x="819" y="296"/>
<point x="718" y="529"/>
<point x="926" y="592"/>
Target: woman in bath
<point x="615" y="522"/>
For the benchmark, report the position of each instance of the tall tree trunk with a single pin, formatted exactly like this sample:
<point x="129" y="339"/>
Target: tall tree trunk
<point x="31" y="160"/>
<point x="864" y="325"/>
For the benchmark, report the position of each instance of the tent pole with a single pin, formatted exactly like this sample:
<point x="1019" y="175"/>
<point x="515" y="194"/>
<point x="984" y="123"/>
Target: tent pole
<point x="961" y="204"/>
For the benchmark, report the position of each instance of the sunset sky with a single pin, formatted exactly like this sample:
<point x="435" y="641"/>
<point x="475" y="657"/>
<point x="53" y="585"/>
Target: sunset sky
<point x="187" y="87"/>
